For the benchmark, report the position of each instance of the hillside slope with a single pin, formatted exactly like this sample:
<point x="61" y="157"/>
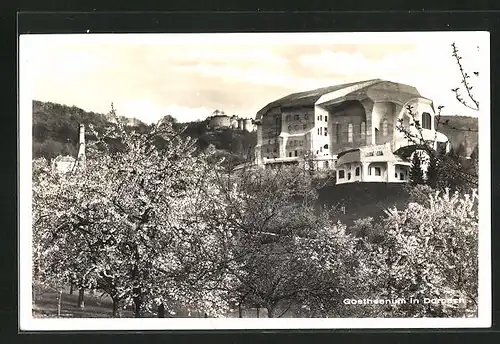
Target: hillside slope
<point x="460" y="130"/>
<point x="56" y="127"/>
<point x="362" y="199"/>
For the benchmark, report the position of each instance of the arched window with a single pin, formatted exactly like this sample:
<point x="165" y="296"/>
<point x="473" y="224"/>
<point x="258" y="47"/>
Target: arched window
<point x="385" y="128"/>
<point x="338" y="138"/>
<point x="362" y="131"/>
<point x="357" y="171"/>
<point x="349" y="132"/>
<point x="426" y="120"/>
<point x="325" y="146"/>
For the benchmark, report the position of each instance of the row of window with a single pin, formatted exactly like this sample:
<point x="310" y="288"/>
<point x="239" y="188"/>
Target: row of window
<point x="402" y="175"/>
<point x="268" y="150"/>
<point x="323" y="131"/>
<point x="296" y="117"/>
<point x="357" y="172"/>
<point x="325" y="147"/>
<point x="293" y="143"/>
<point x="377" y="153"/>
<point x="350" y="132"/>
<point x="297" y="127"/>
<point x="377" y="171"/>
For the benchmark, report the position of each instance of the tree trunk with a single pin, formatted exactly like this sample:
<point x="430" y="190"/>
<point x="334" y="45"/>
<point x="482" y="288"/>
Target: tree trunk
<point x="240" y="311"/>
<point x="59" y="303"/>
<point x="71" y="288"/>
<point x="81" y="300"/>
<point x="270" y="312"/>
<point x="161" y="311"/>
<point x="137" y="302"/>
<point x="258" y="311"/>
<point x="116" y="308"/>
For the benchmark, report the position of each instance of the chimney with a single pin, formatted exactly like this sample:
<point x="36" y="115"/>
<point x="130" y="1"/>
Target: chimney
<point x="81" y="146"/>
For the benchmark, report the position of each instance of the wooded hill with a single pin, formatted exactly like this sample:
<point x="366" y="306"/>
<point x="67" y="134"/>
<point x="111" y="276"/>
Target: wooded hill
<point x="56" y="130"/>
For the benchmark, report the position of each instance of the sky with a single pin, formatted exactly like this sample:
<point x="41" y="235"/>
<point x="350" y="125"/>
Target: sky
<point x="188" y="76"/>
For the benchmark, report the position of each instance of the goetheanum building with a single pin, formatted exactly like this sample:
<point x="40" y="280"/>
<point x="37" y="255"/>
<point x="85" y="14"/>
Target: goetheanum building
<point x="350" y="128"/>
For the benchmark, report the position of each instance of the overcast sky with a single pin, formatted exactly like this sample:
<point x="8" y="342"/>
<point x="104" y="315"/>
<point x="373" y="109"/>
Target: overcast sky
<point x="189" y="76"/>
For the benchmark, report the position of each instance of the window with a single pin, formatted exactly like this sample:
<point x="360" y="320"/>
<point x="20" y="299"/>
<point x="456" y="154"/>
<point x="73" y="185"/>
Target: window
<point x="297" y="117"/>
<point x="337" y="133"/>
<point x="377" y="171"/>
<point x="320" y="117"/>
<point x="321" y="131"/>
<point x="267" y="150"/>
<point x="290" y="154"/>
<point x="275" y="150"/>
<point x="326" y="118"/>
<point x="321" y="149"/>
<point x="349" y="132"/>
<point x="341" y="174"/>
<point x="325" y="164"/>
<point x="288" y="118"/>
<point x="370" y="171"/>
<point x="268" y="142"/>
<point x="385" y="128"/>
<point x="289" y="128"/>
<point x="349" y="176"/>
<point x="301" y="143"/>
<point x="426" y="120"/>
<point x="396" y="174"/>
<point x="306" y="116"/>
<point x="296" y="153"/>
<point x="357" y="171"/>
<point x="379" y="153"/>
<point x="304" y="126"/>
<point x="362" y="131"/>
<point x="326" y="131"/>
<point x="325" y="146"/>
<point x="401" y="176"/>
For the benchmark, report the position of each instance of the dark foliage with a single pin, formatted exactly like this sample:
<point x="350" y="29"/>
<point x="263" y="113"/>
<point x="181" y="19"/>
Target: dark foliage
<point x="416" y="173"/>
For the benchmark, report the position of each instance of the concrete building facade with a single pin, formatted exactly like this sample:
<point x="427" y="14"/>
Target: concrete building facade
<point x="346" y="127"/>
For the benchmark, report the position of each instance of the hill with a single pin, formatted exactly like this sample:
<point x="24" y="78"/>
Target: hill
<point x="56" y="129"/>
<point x="461" y="131"/>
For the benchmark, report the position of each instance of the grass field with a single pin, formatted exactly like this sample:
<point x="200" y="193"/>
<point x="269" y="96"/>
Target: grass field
<point x="97" y="306"/>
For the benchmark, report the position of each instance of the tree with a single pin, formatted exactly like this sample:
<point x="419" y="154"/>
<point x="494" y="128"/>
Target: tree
<point x="132" y="219"/>
<point x="429" y="252"/>
<point x="432" y="174"/>
<point x="281" y="246"/>
<point x="416" y="173"/>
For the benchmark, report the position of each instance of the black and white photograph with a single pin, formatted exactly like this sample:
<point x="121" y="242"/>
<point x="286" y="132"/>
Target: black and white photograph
<point x="254" y="181"/>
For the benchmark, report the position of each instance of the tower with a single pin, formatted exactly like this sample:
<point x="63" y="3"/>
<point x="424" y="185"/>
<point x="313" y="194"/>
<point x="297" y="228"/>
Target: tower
<point x="80" y="159"/>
